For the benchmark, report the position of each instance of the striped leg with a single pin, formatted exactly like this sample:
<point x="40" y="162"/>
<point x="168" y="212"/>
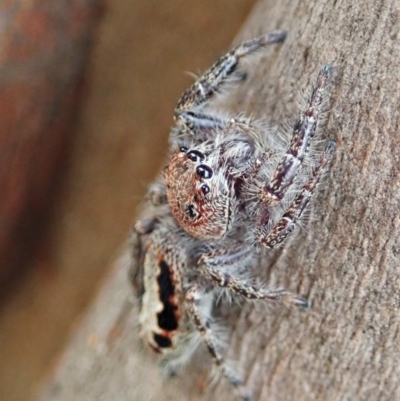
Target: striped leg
<point x="190" y="121"/>
<point x="303" y="133"/>
<point x="224" y="71"/>
<point x="211" y="264"/>
<point x="281" y="230"/>
<point x="193" y="299"/>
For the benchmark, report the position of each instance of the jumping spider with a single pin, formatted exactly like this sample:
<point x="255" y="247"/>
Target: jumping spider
<point x="229" y="187"/>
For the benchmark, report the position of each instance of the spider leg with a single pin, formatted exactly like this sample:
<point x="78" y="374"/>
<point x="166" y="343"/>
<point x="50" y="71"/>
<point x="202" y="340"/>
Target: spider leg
<point x="208" y="263"/>
<point x="196" y="126"/>
<point x="157" y="194"/>
<point x="193" y="298"/>
<point x="157" y="197"/>
<point x="303" y="132"/>
<point x="223" y="72"/>
<point x="281" y="230"/>
<point x="188" y="120"/>
<point x="200" y="127"/>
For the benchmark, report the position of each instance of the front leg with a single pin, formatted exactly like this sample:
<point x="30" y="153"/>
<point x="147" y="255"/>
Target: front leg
<point x="223" y="72"/>
<point x="190" y="121"/>
<point x="199" y="127"/>
<point x="195" y="126"/>
<point x="281" y="230"/>
<point x="303" y="132"/>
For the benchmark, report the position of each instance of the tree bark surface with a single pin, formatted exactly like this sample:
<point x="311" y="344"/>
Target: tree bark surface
<point x="345" y="260"/>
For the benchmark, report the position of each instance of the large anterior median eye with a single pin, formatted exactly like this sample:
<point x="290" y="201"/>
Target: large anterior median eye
<point x="195" y="156"/>
<point x="204" y="171"/>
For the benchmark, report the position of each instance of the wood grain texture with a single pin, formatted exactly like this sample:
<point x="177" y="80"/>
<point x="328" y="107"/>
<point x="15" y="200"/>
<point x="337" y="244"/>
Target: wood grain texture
<point x="346" y="257"/>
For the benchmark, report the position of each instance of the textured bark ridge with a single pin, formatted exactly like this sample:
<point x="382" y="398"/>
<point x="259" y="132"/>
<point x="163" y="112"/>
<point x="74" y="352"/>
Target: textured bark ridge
<point x="345" y="260"/>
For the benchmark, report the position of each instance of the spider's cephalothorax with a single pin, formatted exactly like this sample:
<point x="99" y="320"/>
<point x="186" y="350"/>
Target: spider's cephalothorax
<point x="230" y="185"/>
<point x="199" y="194"/>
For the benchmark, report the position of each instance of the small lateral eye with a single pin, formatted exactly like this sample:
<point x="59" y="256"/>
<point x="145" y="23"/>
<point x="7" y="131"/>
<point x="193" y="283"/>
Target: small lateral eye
<point x="195" y="156"/>
<point x="205" y="189"/>
<point x="190" y="211"/>
<point x="204" y="171"/>
<point x="183" y="149"/>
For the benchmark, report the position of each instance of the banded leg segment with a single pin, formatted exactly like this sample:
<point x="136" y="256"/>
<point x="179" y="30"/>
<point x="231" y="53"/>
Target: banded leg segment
<point x="281" y="230"/>
<point x="193" y="298"/>
<point x="190" y="122"/>
<point x="304" y="131"/>
<point x="223" y="72"/>
<point x="196" y="126"/>
<point x="223" y="279"/>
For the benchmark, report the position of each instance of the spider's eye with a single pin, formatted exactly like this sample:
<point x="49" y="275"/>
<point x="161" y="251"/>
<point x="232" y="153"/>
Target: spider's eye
<point x="190" y="211"/>
<point x="204" y="171"/>
<point x="183" y="149"/>
<point x="195" y="156"/>
<point x="205" y="189"/>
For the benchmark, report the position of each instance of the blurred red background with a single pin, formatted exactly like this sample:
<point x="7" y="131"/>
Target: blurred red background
<point x="87" y="94"/>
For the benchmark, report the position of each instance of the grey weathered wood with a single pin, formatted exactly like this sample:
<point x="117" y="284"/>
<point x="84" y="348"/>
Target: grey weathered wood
<point x="345" y="260"/>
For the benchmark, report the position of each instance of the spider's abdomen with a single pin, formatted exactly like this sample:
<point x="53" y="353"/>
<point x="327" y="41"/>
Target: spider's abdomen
<point x="160" y="316"/>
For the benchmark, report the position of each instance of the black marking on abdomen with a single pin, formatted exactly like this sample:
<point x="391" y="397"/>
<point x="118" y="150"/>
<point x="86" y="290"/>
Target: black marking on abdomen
<point x="161" y="341"/>
<point x="167" y="319"/>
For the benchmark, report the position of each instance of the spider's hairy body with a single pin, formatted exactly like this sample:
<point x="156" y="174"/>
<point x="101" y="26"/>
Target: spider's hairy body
<point x="230" y="187"/>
